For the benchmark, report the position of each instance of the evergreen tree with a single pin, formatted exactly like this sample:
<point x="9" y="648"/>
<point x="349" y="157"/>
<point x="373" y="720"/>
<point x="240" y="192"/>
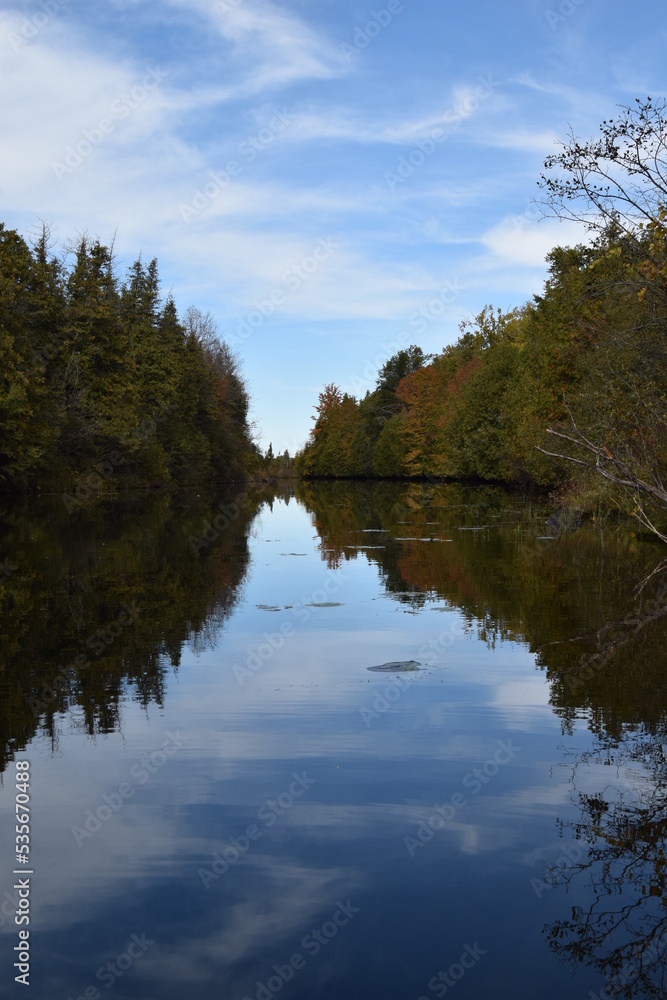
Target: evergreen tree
<point x="99" y="380"/>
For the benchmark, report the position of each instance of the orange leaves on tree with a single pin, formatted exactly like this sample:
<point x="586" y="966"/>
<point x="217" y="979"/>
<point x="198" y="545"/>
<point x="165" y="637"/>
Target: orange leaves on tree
<point x="330" y="400"/>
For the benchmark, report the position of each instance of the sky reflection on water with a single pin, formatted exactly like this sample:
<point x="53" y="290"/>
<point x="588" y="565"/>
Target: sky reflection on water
<point x="297" y="782"/>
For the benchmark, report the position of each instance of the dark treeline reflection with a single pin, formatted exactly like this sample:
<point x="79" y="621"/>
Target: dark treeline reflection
<point x="587" y="602"/>
<point x="97" y="605"/>
<point x="621" y="930"/>
<point x="592" y="605"/>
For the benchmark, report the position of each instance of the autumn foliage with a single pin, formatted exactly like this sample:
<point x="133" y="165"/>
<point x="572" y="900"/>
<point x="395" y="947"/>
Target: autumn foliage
<point x="570" y="390"/>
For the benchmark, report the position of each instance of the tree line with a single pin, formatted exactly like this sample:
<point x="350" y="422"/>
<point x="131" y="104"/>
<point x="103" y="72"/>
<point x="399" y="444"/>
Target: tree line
<point x="95" y="610"/>
<point x="569" y="390"/>
<point x="102" y="385"/>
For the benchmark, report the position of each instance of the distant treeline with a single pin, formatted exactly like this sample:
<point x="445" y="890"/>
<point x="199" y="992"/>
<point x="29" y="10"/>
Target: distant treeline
<point x="102" y="385"/>
<point x="569" y="391"/>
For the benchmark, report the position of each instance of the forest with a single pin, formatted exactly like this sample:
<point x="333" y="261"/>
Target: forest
<point x="566" y="392"/>
<point x="102" y="386"/>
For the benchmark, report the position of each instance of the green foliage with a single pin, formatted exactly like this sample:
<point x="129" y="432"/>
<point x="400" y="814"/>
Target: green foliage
<point x="389" y="451"/>
<point x="97" y="375"/>
<point x="276" y="466"/>
<point x="584" y="362"/>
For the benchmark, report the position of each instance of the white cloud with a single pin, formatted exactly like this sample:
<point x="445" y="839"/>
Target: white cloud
<point x="230" y="66"/>
<point x="272" y="47"/>
<point x="517" y="241"/>
<point x="524" y="141"/>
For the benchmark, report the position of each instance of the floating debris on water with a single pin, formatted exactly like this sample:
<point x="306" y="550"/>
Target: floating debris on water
<point x="416" y="539"/>
<point x="325" y="604"/>
<point x="397" y="667"/>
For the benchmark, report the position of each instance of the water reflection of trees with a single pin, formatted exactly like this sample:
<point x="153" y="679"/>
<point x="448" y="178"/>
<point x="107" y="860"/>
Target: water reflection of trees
<point x="64" y="584"/>
<point x="621" y="929"/>
<point x="587" y="603"/>
<point x="592" y="606"/>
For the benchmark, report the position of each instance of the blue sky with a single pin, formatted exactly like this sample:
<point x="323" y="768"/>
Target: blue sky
<point x="332" y="180"/>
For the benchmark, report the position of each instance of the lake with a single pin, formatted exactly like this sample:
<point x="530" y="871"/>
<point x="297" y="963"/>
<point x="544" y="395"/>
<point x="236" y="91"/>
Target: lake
<point x="227" y="800"/>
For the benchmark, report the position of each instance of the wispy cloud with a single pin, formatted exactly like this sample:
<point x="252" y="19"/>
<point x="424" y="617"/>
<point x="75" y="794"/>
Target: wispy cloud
<point x="269" y="46"/>
<point x="526" y="243"/>
<point x="226" y="67"/>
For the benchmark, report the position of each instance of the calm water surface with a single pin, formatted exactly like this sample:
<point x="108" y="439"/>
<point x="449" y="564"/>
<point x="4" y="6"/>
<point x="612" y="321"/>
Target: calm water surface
<point x="227" y="802"/>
